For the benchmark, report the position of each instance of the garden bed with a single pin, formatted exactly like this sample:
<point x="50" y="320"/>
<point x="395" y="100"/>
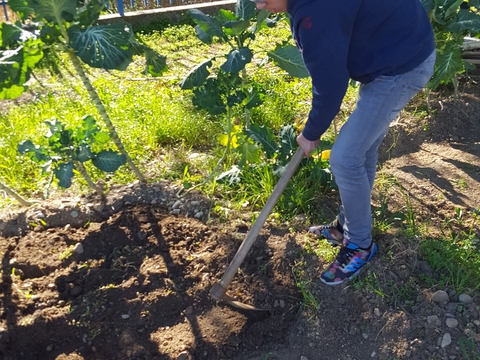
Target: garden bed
<point x="129" y="278"/>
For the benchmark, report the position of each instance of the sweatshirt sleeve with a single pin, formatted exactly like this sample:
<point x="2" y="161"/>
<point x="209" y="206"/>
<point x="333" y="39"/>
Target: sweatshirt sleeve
<point x="324" y="39"/>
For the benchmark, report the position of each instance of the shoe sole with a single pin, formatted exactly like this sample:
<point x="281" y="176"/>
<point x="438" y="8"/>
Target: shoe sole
<point x="355" y="274"/>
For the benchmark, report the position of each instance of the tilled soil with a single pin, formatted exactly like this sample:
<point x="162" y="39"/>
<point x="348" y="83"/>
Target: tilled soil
<point x="129" y="278"/>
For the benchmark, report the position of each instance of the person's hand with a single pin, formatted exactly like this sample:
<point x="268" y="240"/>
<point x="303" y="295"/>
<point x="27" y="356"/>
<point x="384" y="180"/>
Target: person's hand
<point x="307" y="145"/>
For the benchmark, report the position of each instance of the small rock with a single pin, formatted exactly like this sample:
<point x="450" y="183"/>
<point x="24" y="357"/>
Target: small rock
<point x="440" y="296"/>
<point x="176" y="211"/>
<point x="451" y="323"/>
<point x="373" y="354"/>
<point x="452" y="307"/>
<point x="476" y="322"/>
<point x="49" y="347"/>
<point x="77" y="290"/>
<point x="78" y="248"/>
<point x="99" y="207"/>
<point x="433" y="320"/>
<point x="465" y="299"/>
<point x="376" y="312"/>
<point x="282" y="304"/>
<point x="183" y="356"/>
<point x="177" y="204"/>
<point x="446" y="340"/>
<point x="125" y="316"/>
<point x="303" y="357"/>
<point x="198" y="215"/>
<point x="74" y="214"/>
<point x="188" y="310"/>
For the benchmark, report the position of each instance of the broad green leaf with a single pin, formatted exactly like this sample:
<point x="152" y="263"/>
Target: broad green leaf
<point x="264" y="137"/>
<point x="10" y="67"/>
<point x="10" y="33"/>
<point x="230" y="177"/>
<point x="108" y="160"/>
<point x="202" y="35"/>
<point x="209" y="98"/>
<point x="64" y="173"/>
<point x="236" y="60"/>
<point x="101" y="137"/>
<point x="245" y="9"/>
<point x="288" y="58"/>
<point x="235" y="98"/>
<point x="288" y="140"/>
<point x="448" y="64"/>
<point x="261" y="23"/>
<point x="11" y="92"/>
<point x="23" y="8"/>
<point x="235" y="28"/>
<point x="54" y="126"/>
<point x="36" y="153"/>
<point x="208" y="24"/>
<point x="84" y="153"/>
<point x="89" y="13"/>
<point x="250" y="153"/>
<point x="88" y="128"/>
<point x="103" y="46"/>
<point x="253" y="98"/>
<point x="156" y="64"/>
<point x="197" y="75"/>
<point x="451" y="7"/>
<point x="466" y="22"/>
<point x="54" y="10"/>
<point x="474" y="3"/>
<point x="225" y="16"/>
<point x="16" y="66"/>
<point x="428" y="5"/>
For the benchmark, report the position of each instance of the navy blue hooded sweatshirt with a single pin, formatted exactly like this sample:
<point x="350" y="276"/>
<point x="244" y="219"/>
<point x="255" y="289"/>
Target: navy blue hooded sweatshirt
<point x="355" y="39"/>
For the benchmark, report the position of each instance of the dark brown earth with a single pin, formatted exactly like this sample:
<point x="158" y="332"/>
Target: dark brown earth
<point x="129" y="278"/>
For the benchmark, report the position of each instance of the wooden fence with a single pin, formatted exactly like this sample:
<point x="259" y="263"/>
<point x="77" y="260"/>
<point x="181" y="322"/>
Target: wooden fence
<point x="116" y="6"/>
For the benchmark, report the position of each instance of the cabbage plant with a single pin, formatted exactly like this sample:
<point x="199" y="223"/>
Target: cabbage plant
<point x="69" y="26"/>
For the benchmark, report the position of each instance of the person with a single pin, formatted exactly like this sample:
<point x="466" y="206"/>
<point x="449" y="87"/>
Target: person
<point x="388" y="47"/>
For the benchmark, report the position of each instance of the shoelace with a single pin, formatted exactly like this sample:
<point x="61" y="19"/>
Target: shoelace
<point x="344" y="255"/>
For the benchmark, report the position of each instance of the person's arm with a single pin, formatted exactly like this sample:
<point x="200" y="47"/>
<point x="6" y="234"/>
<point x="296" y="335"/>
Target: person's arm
<point x="324" y="39"/>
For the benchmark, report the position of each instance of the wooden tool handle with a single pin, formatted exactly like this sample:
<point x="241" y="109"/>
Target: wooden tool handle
<point x="219" y="290"/>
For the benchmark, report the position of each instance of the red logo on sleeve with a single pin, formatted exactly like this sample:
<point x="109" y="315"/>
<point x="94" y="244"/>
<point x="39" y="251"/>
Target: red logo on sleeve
<point x="307" y="22"/>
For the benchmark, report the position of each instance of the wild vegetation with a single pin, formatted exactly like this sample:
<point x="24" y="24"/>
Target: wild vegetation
<point x="227" y="110"/>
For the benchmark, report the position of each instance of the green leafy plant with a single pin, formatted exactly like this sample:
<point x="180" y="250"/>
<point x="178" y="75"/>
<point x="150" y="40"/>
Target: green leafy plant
<point x="452" y="20"/>
<point x="264" y="157"/>
<point x="69" y="26"/>
<point x="68" y="150"/>
<point x="220" y="84"/>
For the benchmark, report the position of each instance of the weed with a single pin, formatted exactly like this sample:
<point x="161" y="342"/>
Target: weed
<point x="309" y="302"/>
<point x="468" y="347"/>
<point x="65" y="254"/>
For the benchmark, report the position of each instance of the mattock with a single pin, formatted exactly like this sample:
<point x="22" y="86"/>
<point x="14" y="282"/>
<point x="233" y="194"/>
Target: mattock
<point x="219" y="290"/>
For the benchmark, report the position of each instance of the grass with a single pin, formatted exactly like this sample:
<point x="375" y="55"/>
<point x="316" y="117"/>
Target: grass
<point x="168" y="138"/>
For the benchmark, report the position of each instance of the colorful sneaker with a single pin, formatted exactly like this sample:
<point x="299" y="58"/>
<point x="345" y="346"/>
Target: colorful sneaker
<point x="332" y="232"/>
<point x="348" y="263"/>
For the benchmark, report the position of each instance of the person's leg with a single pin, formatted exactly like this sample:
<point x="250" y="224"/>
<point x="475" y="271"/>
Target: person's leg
<point x="354" y="155"/>
<point x="353" y="162"/>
